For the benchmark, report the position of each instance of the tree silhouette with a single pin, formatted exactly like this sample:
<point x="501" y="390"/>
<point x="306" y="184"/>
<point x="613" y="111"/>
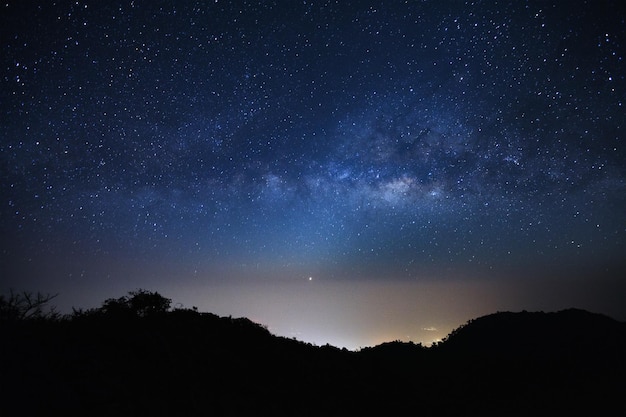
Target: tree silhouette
<point x="140" y="303"/>
<point x="26" y="306"/>
<point x="145" y="303"/>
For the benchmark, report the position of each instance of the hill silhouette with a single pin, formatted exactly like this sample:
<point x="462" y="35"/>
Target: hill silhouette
<point x="136" y="356"/>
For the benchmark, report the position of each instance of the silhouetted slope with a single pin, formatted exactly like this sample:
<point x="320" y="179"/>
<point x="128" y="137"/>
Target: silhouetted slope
<point x="571" y="361"/>
<point x="538" y="333"/>
<point x="180" y="363"/>
<point x="187" y="363"/>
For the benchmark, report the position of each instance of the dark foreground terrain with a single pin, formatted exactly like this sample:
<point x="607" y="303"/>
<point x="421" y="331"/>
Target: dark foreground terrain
<point x="136" y="356"/>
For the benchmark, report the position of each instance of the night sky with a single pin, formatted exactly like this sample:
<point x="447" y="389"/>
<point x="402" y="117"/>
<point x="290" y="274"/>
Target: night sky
<point x="344" y="172"/>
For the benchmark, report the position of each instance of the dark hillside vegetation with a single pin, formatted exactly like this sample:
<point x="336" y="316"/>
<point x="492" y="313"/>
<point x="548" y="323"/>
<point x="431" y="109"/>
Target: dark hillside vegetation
<point x="137" y="356"/>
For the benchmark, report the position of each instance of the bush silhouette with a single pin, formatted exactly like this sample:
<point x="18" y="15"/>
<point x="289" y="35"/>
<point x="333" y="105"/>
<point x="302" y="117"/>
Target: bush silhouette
<point x="140" y="303"/>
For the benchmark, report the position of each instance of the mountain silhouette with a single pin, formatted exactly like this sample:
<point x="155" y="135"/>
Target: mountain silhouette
<point x="566" y="362"/>
<point x="537" y="333"/>
<point x="130" y="358"/>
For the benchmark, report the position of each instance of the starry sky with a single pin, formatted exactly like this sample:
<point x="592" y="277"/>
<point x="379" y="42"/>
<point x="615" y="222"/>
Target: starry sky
<point x="344" y="172"/>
